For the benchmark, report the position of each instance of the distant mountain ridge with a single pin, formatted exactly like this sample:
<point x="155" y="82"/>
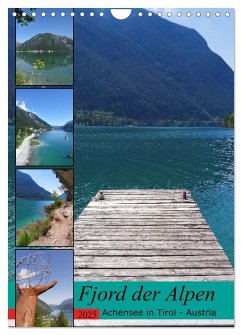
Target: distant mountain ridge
<point x="66" y="304"/>
<point x="68" y="126"/>
<point x="27" y="188"/>
<point x="29" y="120"/>
<point x="150" y="70"/>
<point x="47" y="42"/>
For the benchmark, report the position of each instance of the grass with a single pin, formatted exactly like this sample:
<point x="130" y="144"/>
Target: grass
<point x="21" y="134"/>
<point x="35" y="142"/>
<point x="32" y="77"/>
<point x="33" y="232"/>
<point x="40" y="228"/>
<point x="21" y="79"/>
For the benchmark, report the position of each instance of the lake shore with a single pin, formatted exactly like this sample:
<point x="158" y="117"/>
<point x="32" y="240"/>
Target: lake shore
<point x="24" y="150"/>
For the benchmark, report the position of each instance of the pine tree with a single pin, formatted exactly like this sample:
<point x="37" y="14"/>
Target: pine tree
<point x="61" y="320"/>
<point x="38" y="318"/>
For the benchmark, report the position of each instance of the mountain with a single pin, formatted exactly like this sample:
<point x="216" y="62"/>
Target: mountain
<point x="46" y="42"/>
<point x="29" y="120"/>
<point x="63" y="196"/>
<point x="27" y="188"/>
<point x="68" y="126"/>
<point x="43" y="307"/>
<point x="150" y="70"/>
<point x="65" y="304"/>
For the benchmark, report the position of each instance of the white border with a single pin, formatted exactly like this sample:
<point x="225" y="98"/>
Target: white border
<point x="152" y="323"/>
<point x="237" y="4"/>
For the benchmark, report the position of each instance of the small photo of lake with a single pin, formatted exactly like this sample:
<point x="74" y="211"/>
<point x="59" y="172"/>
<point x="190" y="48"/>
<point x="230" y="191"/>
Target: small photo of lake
<point x="44" y="207"/>
<point x="41" y="272"/>
<point x="44" y="47"/>
<point x="44" y="127"/>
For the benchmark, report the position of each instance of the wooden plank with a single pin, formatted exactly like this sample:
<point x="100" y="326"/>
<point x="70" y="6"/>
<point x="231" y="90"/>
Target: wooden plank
<point x="151" y="262"/>
<point x="149" y="252"/>
<point x="126" y="230"/>
<point x="171" y="227"/>
<point x="154" y="272"/>
<point x="151" y="237"/>
<point x="147" y="245"/>
<point x="93" y="277"/>
<point x="158" y="205"/>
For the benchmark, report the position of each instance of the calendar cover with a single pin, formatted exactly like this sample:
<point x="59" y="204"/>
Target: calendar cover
<point x="121" y="154"/>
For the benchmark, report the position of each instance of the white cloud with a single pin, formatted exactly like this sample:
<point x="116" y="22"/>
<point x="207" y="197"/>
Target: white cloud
<point x="22" y="104"/>
<point x="25" y="274"/>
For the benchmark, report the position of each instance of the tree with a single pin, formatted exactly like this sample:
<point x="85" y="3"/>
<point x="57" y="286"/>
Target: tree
<point x="24" y="20"/>
<point x="60" y="321"/>
<point x="38" y="318"/>
<point x="229" y="121"/>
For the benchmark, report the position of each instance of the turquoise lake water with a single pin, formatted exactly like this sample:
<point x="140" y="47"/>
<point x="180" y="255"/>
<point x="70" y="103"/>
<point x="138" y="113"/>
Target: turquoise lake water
<point x="54" y="150"/>
<point x="58" y="68"/>
<point x="200" y="159"/>
<point x="28" y="211"/>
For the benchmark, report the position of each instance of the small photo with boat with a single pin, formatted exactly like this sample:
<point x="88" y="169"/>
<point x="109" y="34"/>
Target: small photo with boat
<point x="44" y="127"/>
<point x="44" y="207"/>
<point x="44" y="47"/>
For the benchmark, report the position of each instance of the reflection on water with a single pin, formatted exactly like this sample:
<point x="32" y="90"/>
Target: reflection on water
<point x="58" y="68"/>
<point x="51" y="60"/>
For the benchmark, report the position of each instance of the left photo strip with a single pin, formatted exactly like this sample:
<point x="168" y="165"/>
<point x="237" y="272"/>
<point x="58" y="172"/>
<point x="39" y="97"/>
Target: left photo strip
<point x="41" y="167"/>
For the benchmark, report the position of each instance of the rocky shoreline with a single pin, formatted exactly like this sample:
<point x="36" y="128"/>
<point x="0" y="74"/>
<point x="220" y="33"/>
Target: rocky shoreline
<point x="24" y="151"/>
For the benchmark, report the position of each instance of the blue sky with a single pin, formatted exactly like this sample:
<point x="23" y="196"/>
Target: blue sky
<point x="55" y="106"/>
<point x="217" y="31"/>
<point x="61" y="262"/>
<point x="44" y="178"/>
<point x="60" y="25"/>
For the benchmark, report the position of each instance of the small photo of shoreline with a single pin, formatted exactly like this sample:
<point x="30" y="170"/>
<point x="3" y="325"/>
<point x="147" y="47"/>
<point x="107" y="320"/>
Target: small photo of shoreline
<point x="44" y="207"/>
<point x="44" y="127"/>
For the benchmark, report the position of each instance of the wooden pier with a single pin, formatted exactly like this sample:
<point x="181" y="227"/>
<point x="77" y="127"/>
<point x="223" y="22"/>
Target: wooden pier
<point x="147" y="235"/>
